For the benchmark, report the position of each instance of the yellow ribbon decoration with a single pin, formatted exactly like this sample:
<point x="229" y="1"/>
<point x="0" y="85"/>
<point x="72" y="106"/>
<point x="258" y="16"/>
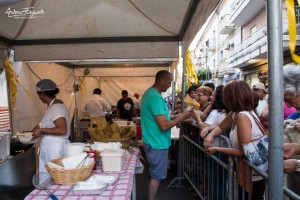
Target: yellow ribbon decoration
<point x="190" y="70"/>
<point x="12" y="78"/>
<point x="292" y="29"/>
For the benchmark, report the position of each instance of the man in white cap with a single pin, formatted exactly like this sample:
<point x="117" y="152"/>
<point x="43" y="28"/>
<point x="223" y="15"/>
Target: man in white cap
<point x="262" y="94"/>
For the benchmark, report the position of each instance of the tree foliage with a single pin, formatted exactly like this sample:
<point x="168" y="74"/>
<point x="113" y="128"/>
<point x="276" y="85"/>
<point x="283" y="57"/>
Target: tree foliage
<point x="202" y="73"/>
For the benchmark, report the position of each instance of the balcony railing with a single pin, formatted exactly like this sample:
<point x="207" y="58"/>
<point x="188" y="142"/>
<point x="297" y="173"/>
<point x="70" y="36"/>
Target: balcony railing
<point x="250" y="48"/>
<point x="225" y="26"/>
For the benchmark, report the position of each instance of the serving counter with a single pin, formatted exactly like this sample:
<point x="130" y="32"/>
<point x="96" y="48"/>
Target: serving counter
<point x="16" y="174"/>
<point x="124" y="188"/>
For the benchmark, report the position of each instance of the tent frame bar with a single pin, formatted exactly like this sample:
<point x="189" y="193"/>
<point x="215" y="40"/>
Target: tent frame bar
<point x="138" y="76"/>
<point x="88" y="40"/>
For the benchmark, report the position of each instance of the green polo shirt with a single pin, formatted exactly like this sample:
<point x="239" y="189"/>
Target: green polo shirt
<point x="153" y="104"/>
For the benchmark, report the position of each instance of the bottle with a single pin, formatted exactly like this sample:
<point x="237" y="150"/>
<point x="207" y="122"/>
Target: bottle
<point x="92" y="153"/>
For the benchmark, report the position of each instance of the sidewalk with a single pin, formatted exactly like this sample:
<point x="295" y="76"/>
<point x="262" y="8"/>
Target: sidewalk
<point x="164" y="193"/>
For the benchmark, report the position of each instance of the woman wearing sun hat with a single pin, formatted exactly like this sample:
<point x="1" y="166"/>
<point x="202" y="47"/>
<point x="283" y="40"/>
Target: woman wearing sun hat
<point x="54" y="129"/>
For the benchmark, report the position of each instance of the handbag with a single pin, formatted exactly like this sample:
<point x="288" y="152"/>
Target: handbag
<point x="256" y="151"/>
<point x="244" y="176"/>
<point x="292" y="134"/>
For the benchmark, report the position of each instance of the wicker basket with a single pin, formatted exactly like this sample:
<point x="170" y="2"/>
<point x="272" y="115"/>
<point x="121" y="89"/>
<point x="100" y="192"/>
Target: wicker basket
<point x="124" y="141"/>
<point x="69" y="176"/>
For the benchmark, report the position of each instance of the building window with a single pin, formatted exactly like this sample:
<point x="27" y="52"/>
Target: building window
<point x="251" y="78"/>
<point x="222" y="55"/>
<point x="252" y="30"/>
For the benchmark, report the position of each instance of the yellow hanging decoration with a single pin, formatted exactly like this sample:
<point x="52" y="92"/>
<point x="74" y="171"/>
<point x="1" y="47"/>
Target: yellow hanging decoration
<point x="178" y="83"/>
<point x="190" y="70"/>
<point x="12" y="78"/>
<point x="292" y="29"/>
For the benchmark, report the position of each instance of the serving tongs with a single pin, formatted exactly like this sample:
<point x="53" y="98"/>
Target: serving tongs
<point x="82" y="162"/>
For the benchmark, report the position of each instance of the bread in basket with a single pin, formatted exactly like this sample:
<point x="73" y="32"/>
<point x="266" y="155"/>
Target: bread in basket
<point x="69" y="176"/>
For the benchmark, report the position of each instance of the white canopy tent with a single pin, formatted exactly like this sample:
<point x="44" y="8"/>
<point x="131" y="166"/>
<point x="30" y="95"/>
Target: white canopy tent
<point x="126" y="32"/>
<point x="106" y="29"/>
<point x="123" y="43"/>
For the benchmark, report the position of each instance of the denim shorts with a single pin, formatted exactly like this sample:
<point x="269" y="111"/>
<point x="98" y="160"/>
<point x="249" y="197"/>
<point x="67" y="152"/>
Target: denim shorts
<point x="158" y="162"/>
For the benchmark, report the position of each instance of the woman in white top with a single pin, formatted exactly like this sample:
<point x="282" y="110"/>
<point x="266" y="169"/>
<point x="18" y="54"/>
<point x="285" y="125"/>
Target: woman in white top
<point x="237" y="97"/>
<point x="54" y="129"/>
<point x="216" y="115"/>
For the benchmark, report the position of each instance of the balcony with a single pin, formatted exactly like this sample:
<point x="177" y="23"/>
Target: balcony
<point x="211" y="44"/>
<point x="244" y="11"/>
<point x="225" y="26"/>
<point x="286" y="37"/>
<point x="254" y="47"/>
<point x="226" y="72"/>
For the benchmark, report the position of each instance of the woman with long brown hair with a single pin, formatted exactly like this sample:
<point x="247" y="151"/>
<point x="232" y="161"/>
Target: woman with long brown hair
<point x="238" y="98"/>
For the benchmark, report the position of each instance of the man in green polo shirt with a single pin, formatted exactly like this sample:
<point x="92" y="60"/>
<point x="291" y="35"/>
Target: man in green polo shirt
<point x="156" y="127"/>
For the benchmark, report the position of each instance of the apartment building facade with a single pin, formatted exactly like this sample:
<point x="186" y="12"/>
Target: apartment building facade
<point x="233" y="45"/>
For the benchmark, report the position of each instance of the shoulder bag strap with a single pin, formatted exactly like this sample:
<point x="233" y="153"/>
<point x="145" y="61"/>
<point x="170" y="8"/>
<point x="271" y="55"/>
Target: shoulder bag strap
<point x="259" y="124"/>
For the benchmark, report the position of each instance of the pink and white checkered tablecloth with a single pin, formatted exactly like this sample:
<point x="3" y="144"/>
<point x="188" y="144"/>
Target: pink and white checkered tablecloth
<point x="121" y="190"/>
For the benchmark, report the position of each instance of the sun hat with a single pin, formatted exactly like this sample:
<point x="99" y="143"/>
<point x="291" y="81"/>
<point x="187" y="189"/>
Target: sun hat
<point x="260" y="86"/>
<point x="45" y="85"/>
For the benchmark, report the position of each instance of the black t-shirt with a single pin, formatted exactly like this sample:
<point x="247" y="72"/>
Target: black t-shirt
<point x="125" y="106"/>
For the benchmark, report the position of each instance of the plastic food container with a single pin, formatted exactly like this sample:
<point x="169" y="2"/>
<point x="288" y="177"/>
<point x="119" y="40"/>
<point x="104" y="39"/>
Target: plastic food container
<point x="108" y="179"/>
<point x="89" y="188"/>
<point x="75" y="148"/>
<point x="112" y="159"/>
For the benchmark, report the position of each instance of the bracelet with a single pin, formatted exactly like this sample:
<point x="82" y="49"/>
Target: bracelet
<point x="213" y="133"/>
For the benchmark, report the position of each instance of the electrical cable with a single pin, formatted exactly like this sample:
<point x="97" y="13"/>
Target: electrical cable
<point x="140" y="11"/>
<point x="41" y="78"/>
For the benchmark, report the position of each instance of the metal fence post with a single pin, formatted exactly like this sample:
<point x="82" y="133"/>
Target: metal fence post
<point x="275" y="62"/>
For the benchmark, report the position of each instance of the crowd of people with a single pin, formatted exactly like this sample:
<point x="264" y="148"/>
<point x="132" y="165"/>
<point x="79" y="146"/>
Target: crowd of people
<point x="241" y="113"/>
<point x="235" y="110"/>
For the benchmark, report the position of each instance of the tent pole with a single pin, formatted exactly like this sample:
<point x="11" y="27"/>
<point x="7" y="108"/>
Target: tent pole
<point x="275" y="65"/>
<point x="173" y="91"/>
<point x="183" y="75"/>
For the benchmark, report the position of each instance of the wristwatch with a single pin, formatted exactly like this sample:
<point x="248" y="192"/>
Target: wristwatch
<point x="297" y="168"/>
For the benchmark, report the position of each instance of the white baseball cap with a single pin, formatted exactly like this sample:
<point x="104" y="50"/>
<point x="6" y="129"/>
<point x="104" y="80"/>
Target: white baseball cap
<point x="260" y="86"/>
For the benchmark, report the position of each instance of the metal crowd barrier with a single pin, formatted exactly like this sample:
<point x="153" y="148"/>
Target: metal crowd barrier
<point x="208" y="175"/>
<point x="288" y="194"/>
<point x="214" y="176"/>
